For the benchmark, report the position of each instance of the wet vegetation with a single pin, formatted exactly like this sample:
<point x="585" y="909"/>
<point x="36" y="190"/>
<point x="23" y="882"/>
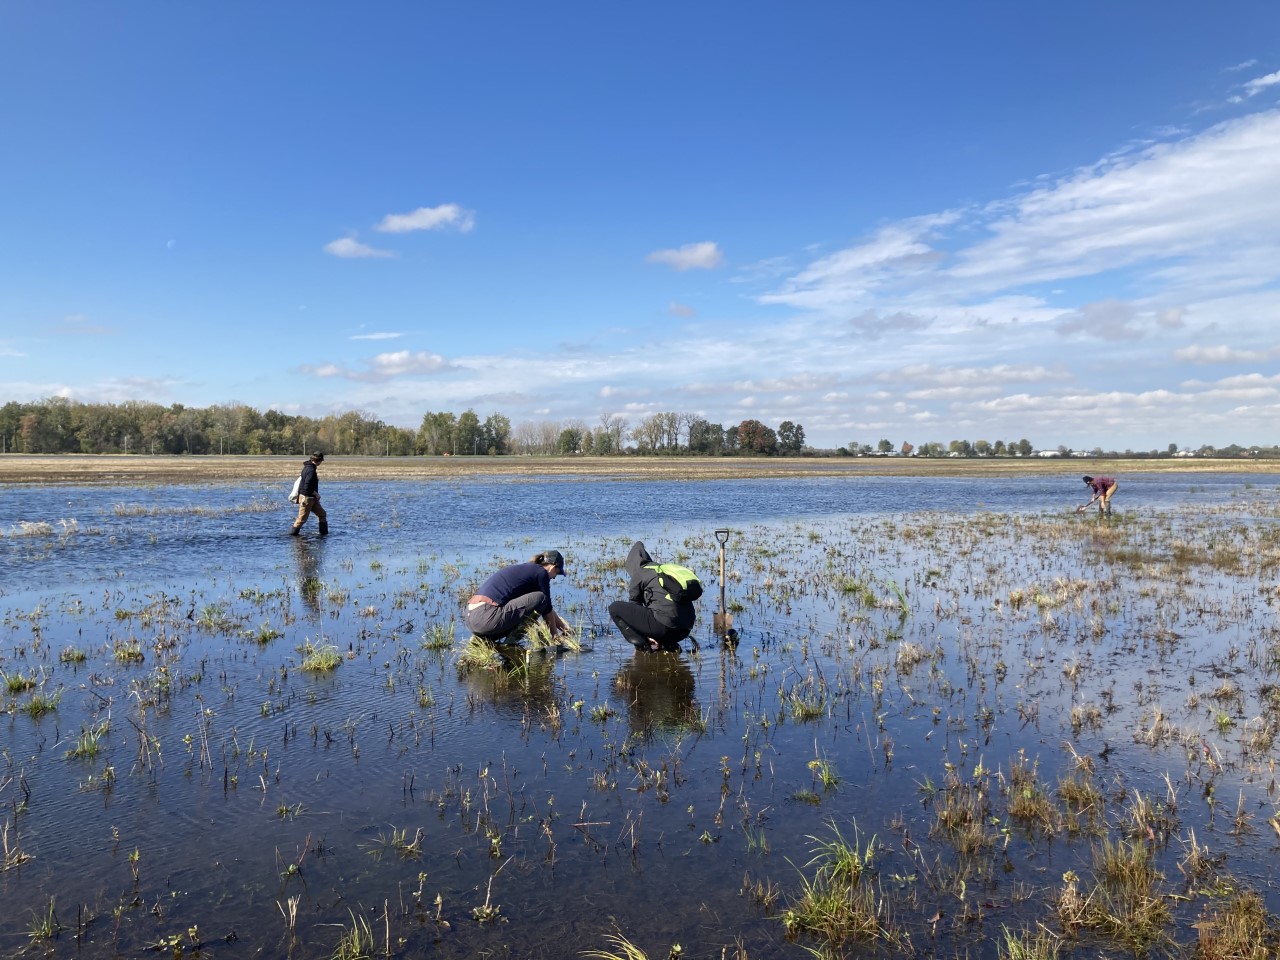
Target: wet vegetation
<point x="1021" y="736"/>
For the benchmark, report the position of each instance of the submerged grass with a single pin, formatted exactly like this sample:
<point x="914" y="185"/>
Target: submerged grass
<point x="1001" y="718"/>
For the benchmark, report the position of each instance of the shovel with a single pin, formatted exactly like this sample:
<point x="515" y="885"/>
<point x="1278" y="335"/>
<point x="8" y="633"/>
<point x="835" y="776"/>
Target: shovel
<point x="722" y="622"/>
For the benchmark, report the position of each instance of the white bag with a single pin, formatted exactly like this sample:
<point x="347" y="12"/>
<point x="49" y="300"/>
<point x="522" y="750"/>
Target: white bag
<point x="297" y="485"/>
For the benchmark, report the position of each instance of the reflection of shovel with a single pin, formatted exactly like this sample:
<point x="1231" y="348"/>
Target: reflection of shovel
<point x="722" y="623"/>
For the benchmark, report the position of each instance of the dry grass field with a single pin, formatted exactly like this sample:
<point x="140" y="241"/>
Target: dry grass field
<point x="78" y="469"/>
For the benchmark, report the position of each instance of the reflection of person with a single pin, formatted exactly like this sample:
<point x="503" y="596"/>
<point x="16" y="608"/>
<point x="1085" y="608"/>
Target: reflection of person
<point x="513" y="593"/>
<point x="308" y="555"/>
<point x="309" y="496"/>
<point x="659" y="693"/>
<point x="1103" y="488"/>
<point x="650" y="619"/>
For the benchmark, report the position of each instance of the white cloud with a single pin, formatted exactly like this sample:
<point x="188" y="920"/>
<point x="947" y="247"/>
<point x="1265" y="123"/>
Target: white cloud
<point x="680" y="310"/>
<point x="1223" y="354"/>
<point x="351" y="248"/>
<point x="692" y="256"/>
<point x="376" y="336"/>
<point x="384" y="366"/>
<point x="1258" y="84"/>
<point x="447" y="215"/>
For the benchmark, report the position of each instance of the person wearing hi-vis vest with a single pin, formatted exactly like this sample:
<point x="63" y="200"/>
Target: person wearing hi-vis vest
<point x="659" y="612"/>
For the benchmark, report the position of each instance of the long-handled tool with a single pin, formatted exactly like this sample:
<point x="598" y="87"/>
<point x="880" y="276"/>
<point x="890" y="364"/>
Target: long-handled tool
<point x="722" y="622"/>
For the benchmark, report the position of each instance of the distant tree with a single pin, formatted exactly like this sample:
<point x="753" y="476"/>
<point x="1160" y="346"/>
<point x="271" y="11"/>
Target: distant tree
<point x="999" y="448"/>
<point x="495" y="434"/>
<point x="982" y="447"/>
<point x="755" y="437"/>
<point x="907" y="448"/>
<point x="1024" y="447"/>
<point x="1173" y="448"/>
<point x="706" y="439"/>
<point x="790" y="437"/>
<point x="885" y="446"/>
<point x="435" y="436"/>
<point x="466" y="434"/>
<point x="570" y="440"/>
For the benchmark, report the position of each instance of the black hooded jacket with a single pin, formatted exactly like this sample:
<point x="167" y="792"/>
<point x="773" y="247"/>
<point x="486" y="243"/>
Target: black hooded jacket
<point x="310" y="485"/>
<point x="647" y="591"/>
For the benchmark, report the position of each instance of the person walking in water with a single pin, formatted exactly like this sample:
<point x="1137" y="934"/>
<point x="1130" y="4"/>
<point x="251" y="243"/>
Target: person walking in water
<point x="1103" y="489"/>
<point x="309" y="496"/>
<point x="512" y="594"/>
<point x="658" y="614"/>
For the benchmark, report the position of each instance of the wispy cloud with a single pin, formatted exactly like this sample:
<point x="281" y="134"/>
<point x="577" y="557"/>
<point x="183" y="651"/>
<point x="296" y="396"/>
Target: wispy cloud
<point x="384" y="366"/>
<point x="384" y="335"/>
<point x="353" y="249"/>
<point x="1106" y="320"/>
<point x="445" y="216"/>
<point x="1255" y="86"/>
<point x="692" y="256"/>
<point x="680" y="310"/>
<point x="1221" y="353"/>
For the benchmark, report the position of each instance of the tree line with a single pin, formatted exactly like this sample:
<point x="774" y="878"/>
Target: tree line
<point x="61" y="425"/>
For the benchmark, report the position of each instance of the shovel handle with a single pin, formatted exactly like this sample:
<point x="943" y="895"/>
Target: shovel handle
<point x="722" y="537"/>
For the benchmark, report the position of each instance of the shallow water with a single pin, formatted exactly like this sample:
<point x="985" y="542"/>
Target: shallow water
<point x="602" y="792"/>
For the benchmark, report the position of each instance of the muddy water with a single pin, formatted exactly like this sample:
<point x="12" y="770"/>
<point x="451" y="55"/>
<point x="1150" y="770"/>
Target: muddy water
<point x="895" y="632"/>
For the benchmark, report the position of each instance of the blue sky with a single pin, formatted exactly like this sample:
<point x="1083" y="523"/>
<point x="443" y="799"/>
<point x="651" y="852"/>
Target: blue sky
<point x="915" y="222"/>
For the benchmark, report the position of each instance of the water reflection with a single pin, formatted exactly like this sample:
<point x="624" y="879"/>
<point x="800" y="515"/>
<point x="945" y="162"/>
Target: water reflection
<point x="520" y="681"/>
<point x="658" y="689"/>
<point x="308" y="554"/>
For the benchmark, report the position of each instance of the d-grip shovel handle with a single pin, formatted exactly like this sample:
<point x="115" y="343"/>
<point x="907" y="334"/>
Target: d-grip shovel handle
<point x="722" y="537"/>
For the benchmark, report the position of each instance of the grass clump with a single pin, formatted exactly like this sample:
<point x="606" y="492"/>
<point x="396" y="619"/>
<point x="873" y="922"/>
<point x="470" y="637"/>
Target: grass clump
<point x="623" y="949"/>
<point x="356" y="942"/>
<point x="73" y="655"/>
<point x="16" y="683"/>
<point x="87" y="744"/>
<point x="40" y="704"/>
<point x="439" y="636"/>
<point x="478" y="654"/>
<point x="1125" y="902"/>
<point x="320" y="659"/>
<point x="1240" y="929"/>
<point x="841" y="903"/>
<point x="1037" y="944"/>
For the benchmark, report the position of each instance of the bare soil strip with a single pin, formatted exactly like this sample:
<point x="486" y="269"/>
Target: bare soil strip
<point x="126" y="470"/>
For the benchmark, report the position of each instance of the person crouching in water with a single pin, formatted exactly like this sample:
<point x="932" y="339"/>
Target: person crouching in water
<point x="309" y="496"/>
<point x="650" y="619"/>
<point x="513" y="594"/>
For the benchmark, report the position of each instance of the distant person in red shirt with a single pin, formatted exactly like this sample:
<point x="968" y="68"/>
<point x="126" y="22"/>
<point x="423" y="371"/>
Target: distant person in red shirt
<point x="1103" y="489"/>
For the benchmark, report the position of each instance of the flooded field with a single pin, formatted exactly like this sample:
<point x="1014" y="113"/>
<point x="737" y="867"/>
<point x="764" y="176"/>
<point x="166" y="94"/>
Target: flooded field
<point x="959" y="720"/>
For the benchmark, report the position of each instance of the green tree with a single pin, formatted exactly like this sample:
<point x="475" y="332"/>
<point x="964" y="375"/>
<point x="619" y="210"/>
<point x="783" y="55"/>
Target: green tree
<point x="790" y="437"/>
<point x="466" y="433"/>
<point x="435" y="435"/>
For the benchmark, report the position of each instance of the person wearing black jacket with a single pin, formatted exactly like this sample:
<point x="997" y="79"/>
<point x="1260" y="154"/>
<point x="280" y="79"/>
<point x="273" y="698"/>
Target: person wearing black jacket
<point x="309" y="496"/>
<point x="649" y="618"/>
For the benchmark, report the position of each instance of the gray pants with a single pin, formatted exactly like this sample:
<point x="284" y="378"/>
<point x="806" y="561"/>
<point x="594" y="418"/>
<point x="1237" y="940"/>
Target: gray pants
<point x="494" y="623"/>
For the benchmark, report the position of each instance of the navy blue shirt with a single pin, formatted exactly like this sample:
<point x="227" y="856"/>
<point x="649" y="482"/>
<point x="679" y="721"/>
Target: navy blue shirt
<point x="515" y="581"/>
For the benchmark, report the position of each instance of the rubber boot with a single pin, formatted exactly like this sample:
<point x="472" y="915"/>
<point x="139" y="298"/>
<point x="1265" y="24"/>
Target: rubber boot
<point x="293" y="531"/>
<point x="324" y="528"/>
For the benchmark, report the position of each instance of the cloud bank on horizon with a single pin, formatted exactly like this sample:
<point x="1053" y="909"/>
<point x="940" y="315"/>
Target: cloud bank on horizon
<point x="1129" y="300"/>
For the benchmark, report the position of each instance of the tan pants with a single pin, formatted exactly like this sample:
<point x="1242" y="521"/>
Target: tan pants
<point x="1104" y="501"/>
<point x="306" y="507"/>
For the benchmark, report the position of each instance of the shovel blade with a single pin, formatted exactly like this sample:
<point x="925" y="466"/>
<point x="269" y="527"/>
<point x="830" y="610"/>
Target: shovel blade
<point x="721" y="622"/>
